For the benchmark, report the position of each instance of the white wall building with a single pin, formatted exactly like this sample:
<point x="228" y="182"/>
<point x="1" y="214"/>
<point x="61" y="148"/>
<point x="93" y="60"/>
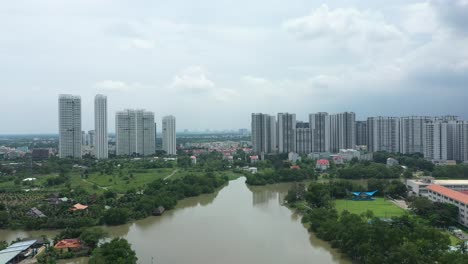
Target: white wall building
<point x="441" y="194"/>
<point x="342" y="131"/>
<point x="135" y="132"/>
<point x="411" y="134"/>
<point x="303" y="138"/>
<point x="169" y="135"/>
<point x="100" y="127"/>
<point x="70" y="134"/>
<point x="383" y="134"/>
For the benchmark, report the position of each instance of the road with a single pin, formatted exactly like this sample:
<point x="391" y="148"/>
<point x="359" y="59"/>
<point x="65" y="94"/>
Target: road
<point x="170" y="175"/>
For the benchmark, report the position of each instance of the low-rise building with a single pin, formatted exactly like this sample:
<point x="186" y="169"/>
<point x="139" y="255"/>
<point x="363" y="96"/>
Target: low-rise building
<point x="419" y="187"/>
<point x="392" y="162"/>
<point x="441" y="194"/>
<point x="322" y="164"/>
<point x="294" y="157"/>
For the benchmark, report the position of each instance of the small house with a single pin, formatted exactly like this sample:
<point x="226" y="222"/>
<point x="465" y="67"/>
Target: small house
<point x="66" y="245"/>
<point x="322" y="164"/>
<point x="36" y="213"/>
<point x="79" y="207"/>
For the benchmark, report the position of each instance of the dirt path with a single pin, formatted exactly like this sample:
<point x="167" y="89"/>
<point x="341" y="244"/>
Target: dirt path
<point x="170" y="175"/>
<point x="100" y="187"/>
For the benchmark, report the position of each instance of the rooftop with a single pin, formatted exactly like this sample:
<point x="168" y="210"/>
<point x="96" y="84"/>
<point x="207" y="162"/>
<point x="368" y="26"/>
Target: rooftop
<point x="441" y="182"/>
<point x="68" y="243"/>
<point x="457" y="196"/>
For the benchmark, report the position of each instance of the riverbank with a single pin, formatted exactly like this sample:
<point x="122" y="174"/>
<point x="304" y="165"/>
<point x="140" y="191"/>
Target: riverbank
<point x="237" y="224"/>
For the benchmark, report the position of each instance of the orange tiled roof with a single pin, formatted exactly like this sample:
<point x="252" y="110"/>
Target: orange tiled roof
<point x="79" y="206"/>
<point x="457" y="196"/>
<point x="68" y="243"/>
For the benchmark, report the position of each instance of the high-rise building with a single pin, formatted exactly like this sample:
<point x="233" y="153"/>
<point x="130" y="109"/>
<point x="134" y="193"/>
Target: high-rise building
<point x="319" y="125"/>
<point x="286" y="132"/>
<point x="446" y="140"/>
<point x="263" y="133"/>
<point x="342" y="131"/>
<point x="84" y="138"/>
<point x="383" y="134"/>
<point x="411" y="134"/>
<point x="91" y="138"/>
<point x="303" y="138"/>
<point x="70" y="134"/>
<point x="135" y="132"/>
<point x="98" y="137"/>
<point x="169" y="135"/>
<point x="361" y="133"/>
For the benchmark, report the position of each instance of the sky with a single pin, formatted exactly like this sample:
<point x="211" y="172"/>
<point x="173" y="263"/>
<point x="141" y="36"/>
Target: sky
<point x="211" y="63"/>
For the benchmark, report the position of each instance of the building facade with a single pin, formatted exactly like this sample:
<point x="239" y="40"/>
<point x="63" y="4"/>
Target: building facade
<point x="70" y="134"/>
<point x="286" y="132"/>
<point x="441" y="194"/>
<point x="383" y="134"/>
<point x="411" y="134"/>
<point x="169" y="135"/>
<point x="361" y="133"/>
<point x="101" y="145"/>
<point x="319" y="125"/>
<point x="342" y="131"/>
<point x="263" y="133"/>
<point x="303" y="138"/>
<point x="135" y="132"/>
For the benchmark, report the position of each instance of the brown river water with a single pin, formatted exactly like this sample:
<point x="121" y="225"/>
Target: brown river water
<point x="238" y="224"/>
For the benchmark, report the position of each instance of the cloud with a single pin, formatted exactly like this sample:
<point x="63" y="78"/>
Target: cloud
<point x="115" y="86"/>
<point x="192" y="79"/>
<point x="453" y="12"/>
<point x="342" y="23"/>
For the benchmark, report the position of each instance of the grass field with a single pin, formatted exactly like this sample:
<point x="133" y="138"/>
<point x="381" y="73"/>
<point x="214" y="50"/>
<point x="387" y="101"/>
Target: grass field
<point x="453" y="239"/>
<point x="380" y="207"/>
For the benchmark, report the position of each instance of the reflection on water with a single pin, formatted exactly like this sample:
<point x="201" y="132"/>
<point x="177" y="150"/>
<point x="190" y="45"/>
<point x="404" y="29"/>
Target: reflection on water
<point x="239" y="224"/>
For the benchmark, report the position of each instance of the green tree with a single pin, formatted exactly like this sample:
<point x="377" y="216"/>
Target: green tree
<point x="117" y="251"/>
<point x="91" y="236"/>
<point x="115" y="216"/>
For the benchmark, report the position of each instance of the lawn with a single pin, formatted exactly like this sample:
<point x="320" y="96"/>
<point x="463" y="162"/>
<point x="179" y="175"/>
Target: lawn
<point x="453" y="239"/>
<point x="380" y="207"/>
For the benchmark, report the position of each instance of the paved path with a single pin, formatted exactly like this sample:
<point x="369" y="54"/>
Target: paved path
<point x="170" y="175"/>
<point x="100" y="187"/>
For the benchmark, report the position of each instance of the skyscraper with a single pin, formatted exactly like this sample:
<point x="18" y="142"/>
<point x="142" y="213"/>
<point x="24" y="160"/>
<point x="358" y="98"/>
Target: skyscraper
<point x="361" y="133"/>
<point x="320" y="132"/>
<point x="99" y="138"/>
<point x="134" y="132"/>
<point x="303" y="138"/>
<point x="286" y="132"/>
<point x="342" y="131"/>
<point x="446" y="140"/>
<point x="169" y="135"/>
<point x="383" y="134"/>
<point x="263" y="133"/>
<point x="411" y="134"/>
<point x="70" y="134"/>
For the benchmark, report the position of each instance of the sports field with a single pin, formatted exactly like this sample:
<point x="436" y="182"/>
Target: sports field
<point x="380" y="207"/>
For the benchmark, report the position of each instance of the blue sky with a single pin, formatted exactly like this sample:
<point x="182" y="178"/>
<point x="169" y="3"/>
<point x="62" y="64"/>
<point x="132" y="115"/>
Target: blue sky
<point x="212" y="63"/>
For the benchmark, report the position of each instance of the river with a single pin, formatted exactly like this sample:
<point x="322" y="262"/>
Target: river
<point x="238" y="224"/>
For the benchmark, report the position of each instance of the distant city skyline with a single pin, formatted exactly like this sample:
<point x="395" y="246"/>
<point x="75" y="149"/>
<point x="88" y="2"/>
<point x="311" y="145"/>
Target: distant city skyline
<point x="223" y="60"/>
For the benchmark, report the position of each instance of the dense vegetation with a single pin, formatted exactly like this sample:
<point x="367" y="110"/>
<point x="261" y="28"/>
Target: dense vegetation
<point x="367" y="170"/>
<point x="459" y="171"/>
<point x="414" y="161"/>
<point x="368" y="239"/>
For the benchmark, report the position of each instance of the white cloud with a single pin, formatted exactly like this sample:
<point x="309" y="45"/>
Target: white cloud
<point x="115" y="86"/>
<point x="342" y="23"/>
<point x="193" y="79"/>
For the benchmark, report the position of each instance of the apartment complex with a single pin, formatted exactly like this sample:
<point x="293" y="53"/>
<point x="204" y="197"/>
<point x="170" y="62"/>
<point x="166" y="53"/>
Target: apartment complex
<point x="135" y="132"/>
<point x="383" y="134"/>
<point x="342" y="131"/>
<point x="70" y="136"/>
<point x="100" y="141"/>
<point x="286" y="132"/>
<point x="361" y="133"/>
<point x="169" y="135"/>
<point x="263" y="133"/>
<point x="319" y="125"/>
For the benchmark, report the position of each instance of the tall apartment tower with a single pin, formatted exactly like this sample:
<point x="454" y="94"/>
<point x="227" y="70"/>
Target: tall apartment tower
<point x="70" y="134"/>
<point x="383" y="134"/>
<point x="320" y="128"/>
<point x="446" y="140"/>
<point x="91" y="138"/>
<point x="303" y="138"/>
<point x="100" y="127"/>
<point x="263" y="133"/>
<point x="411" y="134"/>
<point x="286" y="132"/>
<point x="361" y="133"/>
<point x="135" y="132"/>
<point x="342" y="131"/>
<point x="169" y="135"/>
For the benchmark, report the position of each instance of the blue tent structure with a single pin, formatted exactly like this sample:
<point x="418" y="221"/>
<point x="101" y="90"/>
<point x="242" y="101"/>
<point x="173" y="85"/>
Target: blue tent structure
<point x="364" y="196"/>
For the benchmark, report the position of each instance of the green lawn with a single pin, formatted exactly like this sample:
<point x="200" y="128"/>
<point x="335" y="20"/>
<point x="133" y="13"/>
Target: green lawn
<point x="453" y="239"/>
<point x="380" y="207"/>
